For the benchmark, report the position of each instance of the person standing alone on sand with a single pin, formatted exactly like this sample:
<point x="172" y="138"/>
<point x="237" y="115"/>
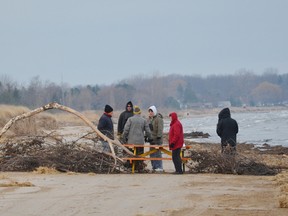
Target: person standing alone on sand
<point x="227" y="129"/>
<point x="176" y="140"/>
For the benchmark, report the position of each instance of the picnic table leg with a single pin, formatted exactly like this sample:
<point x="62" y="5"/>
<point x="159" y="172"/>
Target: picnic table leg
<point x="133" y="166"/>
<point x="133" y="161"/>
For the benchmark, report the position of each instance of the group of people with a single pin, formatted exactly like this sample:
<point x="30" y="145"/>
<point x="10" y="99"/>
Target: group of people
<point x="134" y="129"/>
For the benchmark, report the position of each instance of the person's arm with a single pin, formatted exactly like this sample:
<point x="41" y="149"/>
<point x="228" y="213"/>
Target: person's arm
<point x="126" y="130"/>
<point x="160" y="128"/>
<point x="172" y="137"/>
<point x="120" y="124"/>
<point x="101" y="124"/>
<point x="147" y="131"/>
<point x="237" y="128"/>
<point x="177" y="131"/>
<point x="219" y="128"/>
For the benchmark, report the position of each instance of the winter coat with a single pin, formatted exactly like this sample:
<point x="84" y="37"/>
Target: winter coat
<point x="105" y="125"/>
<point x="176" y="135"/>
<point x="227" y="128"/>
<point x="134" y="130"/>
<point x="156" y="125"/>
<point x="123" y="118"/>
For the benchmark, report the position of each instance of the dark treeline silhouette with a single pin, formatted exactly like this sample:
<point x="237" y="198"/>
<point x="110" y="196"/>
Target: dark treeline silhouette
<point x="172" y="91"/>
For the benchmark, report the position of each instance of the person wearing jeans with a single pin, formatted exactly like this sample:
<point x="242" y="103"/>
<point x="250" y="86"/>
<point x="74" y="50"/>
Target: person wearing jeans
<point x="156" y="125"/>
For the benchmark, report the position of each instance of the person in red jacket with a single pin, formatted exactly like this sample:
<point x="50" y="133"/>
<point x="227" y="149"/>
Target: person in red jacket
<point x="176" y="140"/>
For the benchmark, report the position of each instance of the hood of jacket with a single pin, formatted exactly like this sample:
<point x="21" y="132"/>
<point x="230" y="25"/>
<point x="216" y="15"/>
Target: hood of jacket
<point x="224" y="113"/>
<point x="174" y="117"/>
<point x="153" y="108"/>
<point x="131" y="104"/>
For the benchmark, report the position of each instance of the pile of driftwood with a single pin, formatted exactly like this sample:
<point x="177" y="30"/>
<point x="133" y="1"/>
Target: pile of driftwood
<point x="28" y="154"/>
<point x="216" y="162"/>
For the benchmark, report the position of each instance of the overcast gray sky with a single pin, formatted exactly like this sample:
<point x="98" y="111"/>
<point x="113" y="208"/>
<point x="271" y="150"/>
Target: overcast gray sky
<point x="105" y="41"/>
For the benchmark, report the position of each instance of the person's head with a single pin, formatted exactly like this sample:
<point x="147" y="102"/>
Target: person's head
<point x="108" y="109"/>
<point x="173" y="116"/>
<point x="224" y="113"/>
<point x="137" y="110"/>
<point x="129" y="107"/>
<point x="152" y="111"/>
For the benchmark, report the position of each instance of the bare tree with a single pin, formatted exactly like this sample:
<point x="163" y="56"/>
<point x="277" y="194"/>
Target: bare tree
<point x="267" y="93"/>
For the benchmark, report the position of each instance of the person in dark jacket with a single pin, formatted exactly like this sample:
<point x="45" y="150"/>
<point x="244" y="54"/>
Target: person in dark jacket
<point x="123" y="118"/>
<point x="227" y="129"/>
<point x="176" y="140"/>
<point x="105" y="126"/>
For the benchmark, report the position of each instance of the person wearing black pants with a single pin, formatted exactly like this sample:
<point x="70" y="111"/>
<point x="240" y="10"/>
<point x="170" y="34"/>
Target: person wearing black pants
<point x="227" y="129"/>
<point x="177" y="161"/>
<point x="176" y="140"/>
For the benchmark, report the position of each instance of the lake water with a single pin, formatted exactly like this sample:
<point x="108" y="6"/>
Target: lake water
<point x="254" y="127"/>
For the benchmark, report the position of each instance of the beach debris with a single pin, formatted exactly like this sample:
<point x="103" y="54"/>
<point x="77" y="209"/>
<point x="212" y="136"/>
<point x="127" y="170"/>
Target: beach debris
<point x="215" y="162"/>
<point x="282" y="181"/>
<point x="31" y="151"/>
<point x="16" y="184"/>
<point x="24" y="154"/>
<point x="196" y="134"/>
<point x="55" y="105"/>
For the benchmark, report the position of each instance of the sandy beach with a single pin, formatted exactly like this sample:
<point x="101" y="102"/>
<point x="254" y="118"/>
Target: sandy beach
<point x="138" y="194"/>
<point x="149" y="194"/>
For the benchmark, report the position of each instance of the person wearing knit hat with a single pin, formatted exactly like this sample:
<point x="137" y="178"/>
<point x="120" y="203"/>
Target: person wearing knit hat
<point x="105" y="126"/>
<point x="137" y="110"/>
<point x="156" y="125"/>
<point x="135" y="130"/>
<point x="108" y="109"/>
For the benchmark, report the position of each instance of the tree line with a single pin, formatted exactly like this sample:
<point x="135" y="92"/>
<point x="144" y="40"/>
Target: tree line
<point x="171" y="91"/>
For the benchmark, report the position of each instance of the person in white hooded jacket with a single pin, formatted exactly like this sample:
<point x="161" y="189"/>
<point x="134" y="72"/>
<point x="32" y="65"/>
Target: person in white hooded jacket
<point x="156" y="125"/>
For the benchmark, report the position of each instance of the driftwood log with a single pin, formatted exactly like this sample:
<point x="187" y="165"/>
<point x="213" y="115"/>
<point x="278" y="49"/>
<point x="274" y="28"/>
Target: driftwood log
<point x="55" y="105"/>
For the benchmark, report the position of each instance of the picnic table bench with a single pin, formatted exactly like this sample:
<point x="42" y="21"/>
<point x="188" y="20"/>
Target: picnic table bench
<point x="153" y="149"/>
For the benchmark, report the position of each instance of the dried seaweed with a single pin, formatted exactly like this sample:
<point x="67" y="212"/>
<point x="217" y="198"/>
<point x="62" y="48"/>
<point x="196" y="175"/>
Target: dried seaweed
<point x="27" y="154"/>
<point x="215" y="162"/>
<point x="196" y="134"/>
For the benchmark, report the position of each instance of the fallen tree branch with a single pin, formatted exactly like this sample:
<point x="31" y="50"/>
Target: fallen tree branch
<point x="55" y="105"/>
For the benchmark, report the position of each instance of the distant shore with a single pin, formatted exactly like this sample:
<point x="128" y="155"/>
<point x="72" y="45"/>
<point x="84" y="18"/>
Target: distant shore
<point x="212" y="111"/>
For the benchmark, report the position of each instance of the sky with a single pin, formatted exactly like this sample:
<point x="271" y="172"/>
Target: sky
<point x="81" y="42"/>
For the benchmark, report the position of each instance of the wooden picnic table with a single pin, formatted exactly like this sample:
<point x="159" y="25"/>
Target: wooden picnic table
<point x="152" y="149"/>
